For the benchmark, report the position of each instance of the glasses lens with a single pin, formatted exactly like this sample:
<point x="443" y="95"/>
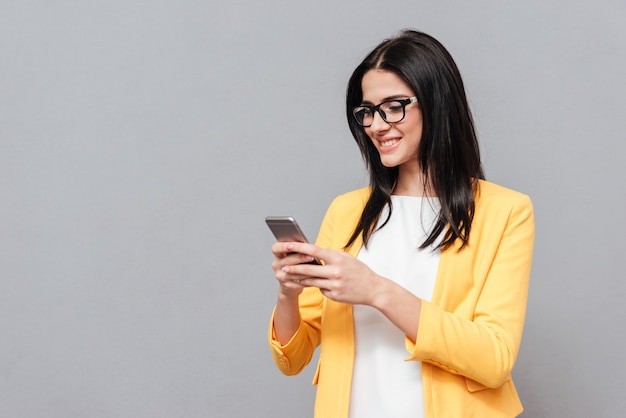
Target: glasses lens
<point x="363" y="116"/>
<point x="394" y="111"/>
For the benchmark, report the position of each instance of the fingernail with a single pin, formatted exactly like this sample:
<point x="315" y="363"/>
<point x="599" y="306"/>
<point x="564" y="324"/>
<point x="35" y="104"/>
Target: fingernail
<point x="285" y="269"/>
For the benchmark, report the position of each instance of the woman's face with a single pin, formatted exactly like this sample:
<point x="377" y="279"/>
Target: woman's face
<point x="397" y="143"/>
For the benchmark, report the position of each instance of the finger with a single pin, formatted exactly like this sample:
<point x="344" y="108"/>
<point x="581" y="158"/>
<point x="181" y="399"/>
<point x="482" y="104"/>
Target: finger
<point x="297" y="258"/>
<point x="279" y="249"/>
<point x="303" y="271"/>
<point x="284" y="247"/>
<point x="296" y="283"/>
<point x="291" y="260"/>
<point x="289" y="281"/>
<point x="312" y="250"/>
<point x="282" y="250"/>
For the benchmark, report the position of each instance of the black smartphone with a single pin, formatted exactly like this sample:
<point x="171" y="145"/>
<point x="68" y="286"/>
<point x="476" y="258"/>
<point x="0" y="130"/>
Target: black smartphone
<point x="285" y="228"/>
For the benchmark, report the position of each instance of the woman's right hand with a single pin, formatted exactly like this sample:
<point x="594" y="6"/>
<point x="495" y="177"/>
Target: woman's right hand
<point x="289" y="284"/>
<point x="287" y="312"/>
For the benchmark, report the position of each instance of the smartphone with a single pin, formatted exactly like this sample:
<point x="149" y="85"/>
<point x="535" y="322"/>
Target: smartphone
<point x="285" y="228"/>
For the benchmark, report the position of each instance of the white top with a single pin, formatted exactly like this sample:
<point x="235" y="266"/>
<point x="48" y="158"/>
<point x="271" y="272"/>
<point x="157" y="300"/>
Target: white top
<point x="384" y="384"/>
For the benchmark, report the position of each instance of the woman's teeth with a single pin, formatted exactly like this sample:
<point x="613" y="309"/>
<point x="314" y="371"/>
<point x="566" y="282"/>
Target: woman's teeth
<point x="388" y="143"/>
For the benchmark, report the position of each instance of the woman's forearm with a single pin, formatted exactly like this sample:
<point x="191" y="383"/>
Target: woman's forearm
<point x="286" y="318"/>
<point x="400" y="306"/>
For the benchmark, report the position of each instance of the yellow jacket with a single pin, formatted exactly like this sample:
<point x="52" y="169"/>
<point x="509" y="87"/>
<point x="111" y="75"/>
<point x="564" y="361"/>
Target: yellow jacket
<point x="469" y="334"/>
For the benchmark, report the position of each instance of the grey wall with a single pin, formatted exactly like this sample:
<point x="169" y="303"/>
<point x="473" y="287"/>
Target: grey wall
<point x="143" y="142"/>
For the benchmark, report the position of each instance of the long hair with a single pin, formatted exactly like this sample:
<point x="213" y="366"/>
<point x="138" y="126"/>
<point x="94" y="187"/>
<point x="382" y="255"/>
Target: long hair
<point x="448" y="152"/>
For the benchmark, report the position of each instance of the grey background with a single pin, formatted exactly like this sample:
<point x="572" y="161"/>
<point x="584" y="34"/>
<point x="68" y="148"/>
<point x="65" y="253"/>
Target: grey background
<point x="142" y="143"/>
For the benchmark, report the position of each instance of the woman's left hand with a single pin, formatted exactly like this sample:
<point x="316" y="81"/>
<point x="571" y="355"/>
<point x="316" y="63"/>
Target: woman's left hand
<point x="342" y="277"/>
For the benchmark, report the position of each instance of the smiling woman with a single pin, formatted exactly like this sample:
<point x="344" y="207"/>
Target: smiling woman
<point x="430" y="263"/>
<point x="397" y="136"/>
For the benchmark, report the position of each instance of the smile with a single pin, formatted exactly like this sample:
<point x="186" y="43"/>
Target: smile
<point x="389" y="142"/>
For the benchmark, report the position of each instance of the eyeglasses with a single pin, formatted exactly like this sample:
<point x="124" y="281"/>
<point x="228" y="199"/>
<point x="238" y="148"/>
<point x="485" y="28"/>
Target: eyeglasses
<point x="391" y="111"/>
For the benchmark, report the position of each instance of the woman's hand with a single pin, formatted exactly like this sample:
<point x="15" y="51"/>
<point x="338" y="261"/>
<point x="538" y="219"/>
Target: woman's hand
<point x="341" y="278"/>
<point x="287" y="312"/>
<point x="290" y="286"/>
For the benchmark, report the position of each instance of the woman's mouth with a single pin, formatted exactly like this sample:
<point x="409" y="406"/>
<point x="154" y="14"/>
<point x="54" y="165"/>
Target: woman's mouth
<point x="389" y="142"/>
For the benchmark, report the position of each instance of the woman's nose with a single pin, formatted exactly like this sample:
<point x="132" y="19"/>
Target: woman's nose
<point x="378" y="123"/>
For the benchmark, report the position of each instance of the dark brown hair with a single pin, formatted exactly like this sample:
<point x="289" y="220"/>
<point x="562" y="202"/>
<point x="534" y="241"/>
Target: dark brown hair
<point x="448" y="152"/>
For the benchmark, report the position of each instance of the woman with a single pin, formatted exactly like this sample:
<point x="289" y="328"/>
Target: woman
<point x="419" y="305"/>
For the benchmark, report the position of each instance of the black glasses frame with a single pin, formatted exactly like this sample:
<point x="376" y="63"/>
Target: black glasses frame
<point x="372" y="109"/>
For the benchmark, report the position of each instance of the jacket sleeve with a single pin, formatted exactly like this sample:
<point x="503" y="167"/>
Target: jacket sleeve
<point x="292" y="357"/>
<point x="475" y="327"/>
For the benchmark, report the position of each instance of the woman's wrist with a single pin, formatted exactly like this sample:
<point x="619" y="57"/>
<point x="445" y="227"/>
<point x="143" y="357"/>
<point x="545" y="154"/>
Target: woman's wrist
<point x="382" y="293"/>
